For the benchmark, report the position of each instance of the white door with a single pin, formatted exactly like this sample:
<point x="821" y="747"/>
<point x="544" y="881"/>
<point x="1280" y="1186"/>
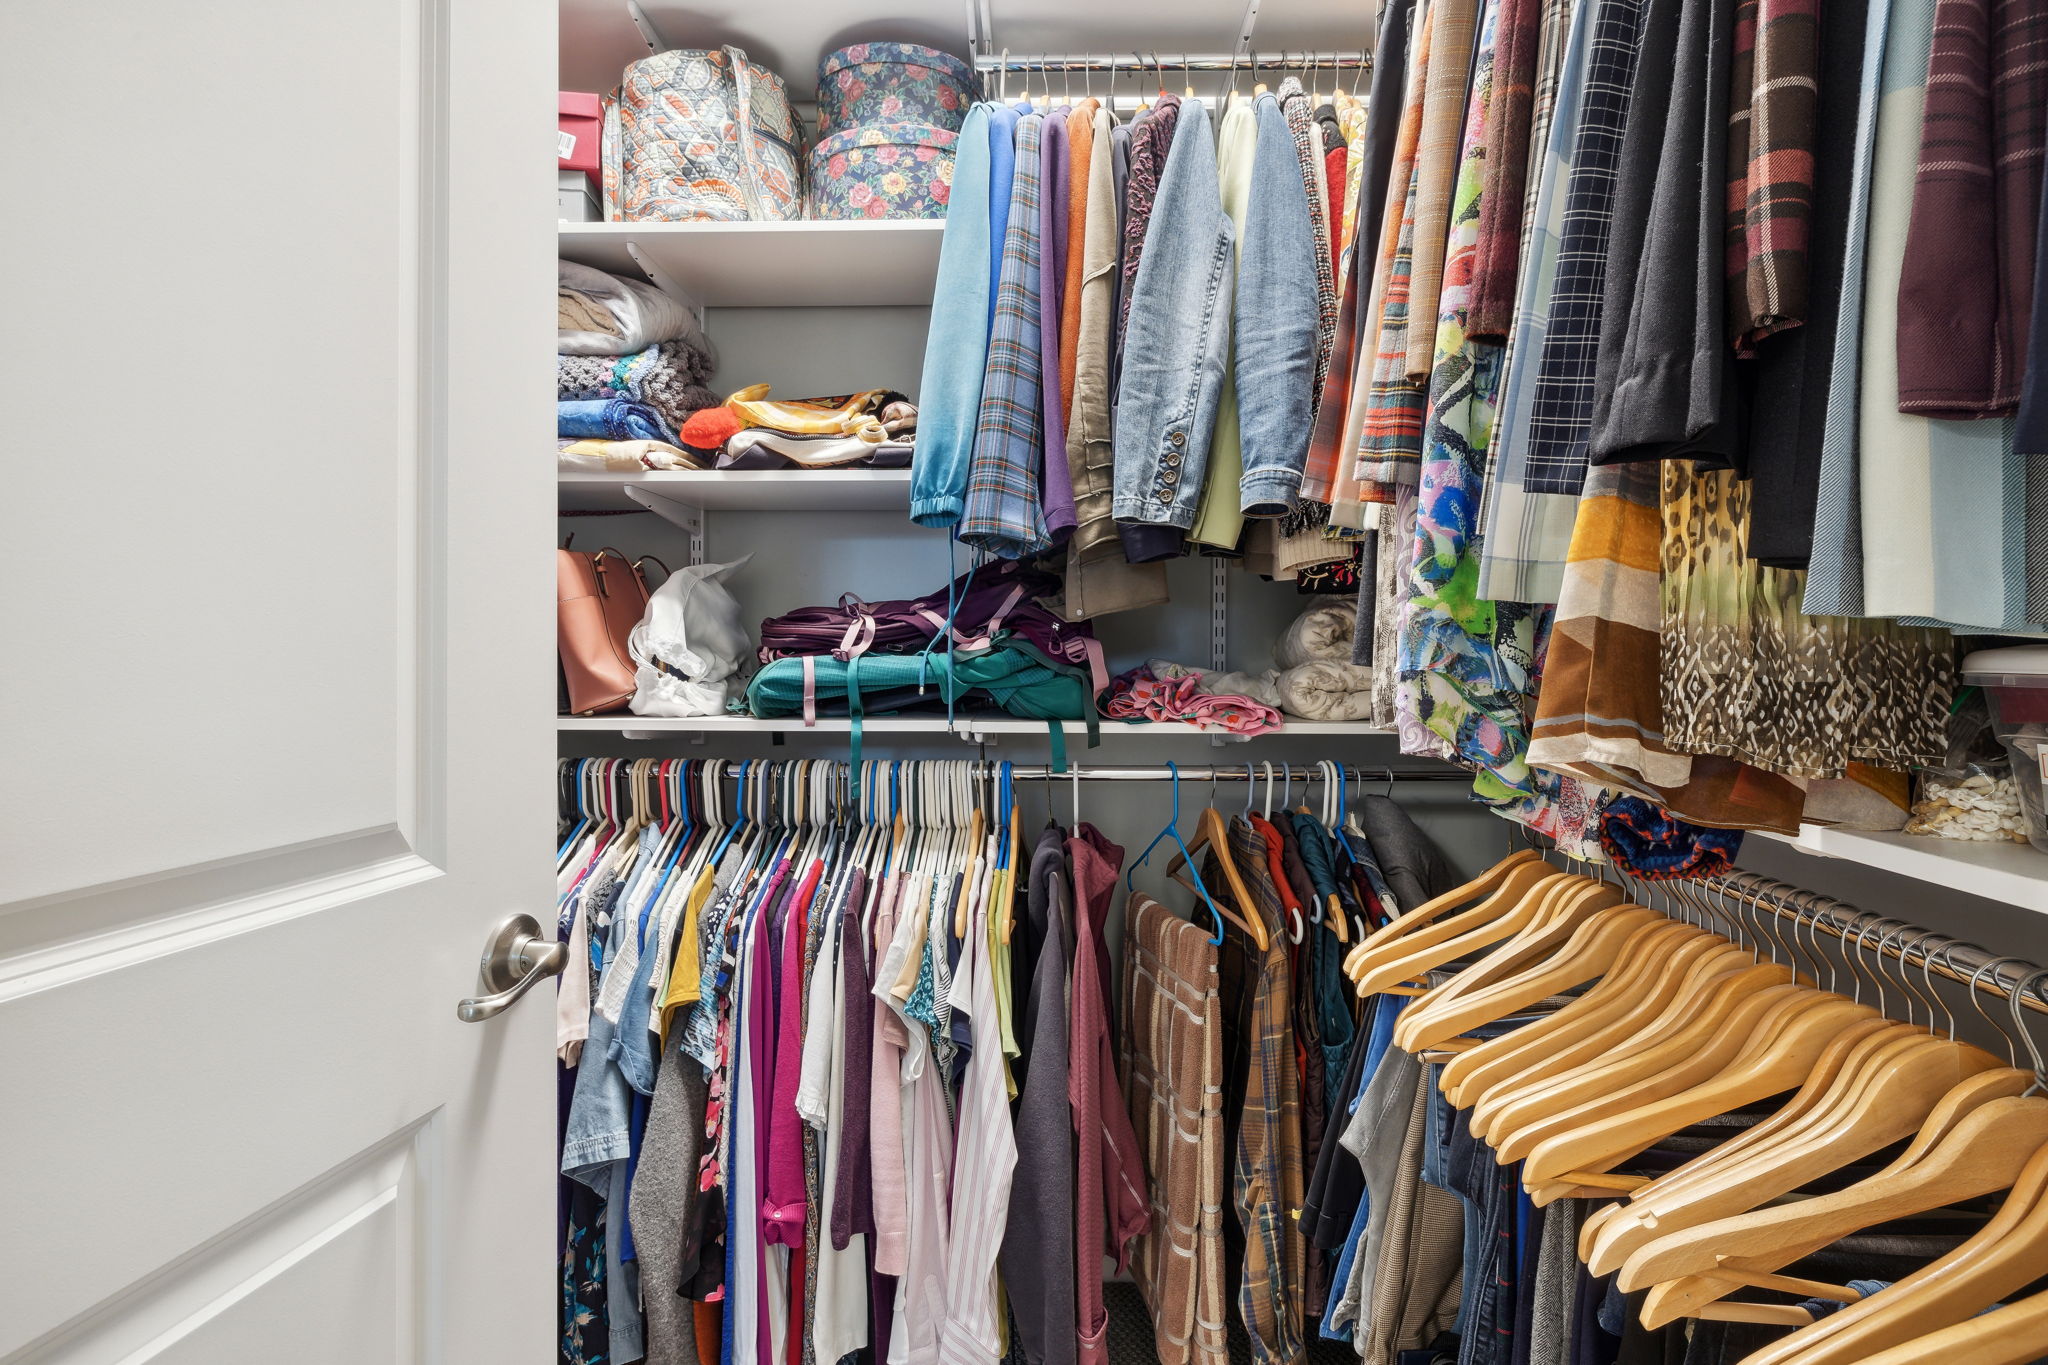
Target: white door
<point x="276" y="637"/>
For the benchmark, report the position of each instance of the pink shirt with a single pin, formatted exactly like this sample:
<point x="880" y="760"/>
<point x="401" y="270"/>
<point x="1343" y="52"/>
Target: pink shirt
<point x="782" y="1191"/>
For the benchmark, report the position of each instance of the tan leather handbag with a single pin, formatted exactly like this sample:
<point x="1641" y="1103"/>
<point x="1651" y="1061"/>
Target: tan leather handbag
<point x="598" y="600"/>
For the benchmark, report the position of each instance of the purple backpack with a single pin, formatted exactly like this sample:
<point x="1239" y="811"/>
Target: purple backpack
<point x="999" y="596"/>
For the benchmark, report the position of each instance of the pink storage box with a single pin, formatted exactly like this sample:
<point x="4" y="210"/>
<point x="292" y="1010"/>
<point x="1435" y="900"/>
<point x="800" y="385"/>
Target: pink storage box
<point x="579" y="118"/>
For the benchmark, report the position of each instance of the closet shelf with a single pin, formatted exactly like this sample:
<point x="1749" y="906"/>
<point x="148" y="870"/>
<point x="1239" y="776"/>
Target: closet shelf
<point x="2016" y="874"/>
<point x="743" y="490"/>
<point x="650" y="726"/>
<point x="772" y="265"/>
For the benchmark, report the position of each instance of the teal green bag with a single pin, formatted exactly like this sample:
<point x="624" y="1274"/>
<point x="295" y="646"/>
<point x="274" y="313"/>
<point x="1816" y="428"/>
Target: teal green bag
<point x="1020" y="679"/>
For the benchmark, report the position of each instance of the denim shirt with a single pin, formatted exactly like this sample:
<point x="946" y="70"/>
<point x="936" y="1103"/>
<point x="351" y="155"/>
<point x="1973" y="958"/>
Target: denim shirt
<point x="1276" y="323"/>
<point x="1178" y="342"/>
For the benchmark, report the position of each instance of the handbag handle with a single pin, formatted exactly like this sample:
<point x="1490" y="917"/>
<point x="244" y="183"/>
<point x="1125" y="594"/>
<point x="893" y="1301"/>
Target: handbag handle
<point x="666" y="572"/>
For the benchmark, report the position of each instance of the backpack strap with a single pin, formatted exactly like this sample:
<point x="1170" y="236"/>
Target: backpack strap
<point x="810" y="690"/>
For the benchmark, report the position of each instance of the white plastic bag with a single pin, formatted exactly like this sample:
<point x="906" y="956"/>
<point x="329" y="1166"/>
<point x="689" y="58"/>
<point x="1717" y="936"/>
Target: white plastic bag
<point x="689" y="647"/>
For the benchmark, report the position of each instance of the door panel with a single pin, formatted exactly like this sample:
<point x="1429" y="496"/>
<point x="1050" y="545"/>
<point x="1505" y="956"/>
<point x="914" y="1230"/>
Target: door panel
<point x="277" y="722"/>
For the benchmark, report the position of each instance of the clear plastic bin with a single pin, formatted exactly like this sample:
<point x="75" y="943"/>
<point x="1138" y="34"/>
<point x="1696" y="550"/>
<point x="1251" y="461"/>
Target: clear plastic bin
<point x="2015" y="682"/>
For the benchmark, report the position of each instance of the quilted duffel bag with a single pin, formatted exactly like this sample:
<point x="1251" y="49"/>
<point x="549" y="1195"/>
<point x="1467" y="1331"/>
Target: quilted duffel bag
<point x="707" y="136"/>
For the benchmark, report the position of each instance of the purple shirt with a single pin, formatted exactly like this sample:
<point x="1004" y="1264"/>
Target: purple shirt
<point x="1055" y="170"/>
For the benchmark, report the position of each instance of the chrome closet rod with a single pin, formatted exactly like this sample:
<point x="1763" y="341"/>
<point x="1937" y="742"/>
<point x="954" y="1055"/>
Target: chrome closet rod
<point x="1221" y="772"/>
<point x="1952" y="959"/>
<point x="1208" y="61"/>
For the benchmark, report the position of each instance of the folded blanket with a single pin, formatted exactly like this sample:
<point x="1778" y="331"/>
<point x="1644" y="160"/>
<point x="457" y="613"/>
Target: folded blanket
<point x="621" y="457"/>
<point x="1141" y="695"/>
<point x="641" y="314"/>
<point x="1323" y="632"/>
<point x="1324" y="690"/>
<point x="668" y="378"/>
<point x="610" y="419"/>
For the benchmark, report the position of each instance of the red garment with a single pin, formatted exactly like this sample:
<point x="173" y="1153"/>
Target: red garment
<point x="1111" y="1209"/>
<point x="1336" y="162"/>
<point x="1275" y="862"/>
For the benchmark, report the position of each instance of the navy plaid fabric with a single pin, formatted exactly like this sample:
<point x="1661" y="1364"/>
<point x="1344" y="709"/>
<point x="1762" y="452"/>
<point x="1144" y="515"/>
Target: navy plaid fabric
<point x="1562" y="415"/>
<point x="1005" y="514"/>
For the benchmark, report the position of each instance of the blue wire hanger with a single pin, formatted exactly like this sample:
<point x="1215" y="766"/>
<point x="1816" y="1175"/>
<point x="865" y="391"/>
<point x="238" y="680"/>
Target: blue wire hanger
<point x="1173" y="828"/>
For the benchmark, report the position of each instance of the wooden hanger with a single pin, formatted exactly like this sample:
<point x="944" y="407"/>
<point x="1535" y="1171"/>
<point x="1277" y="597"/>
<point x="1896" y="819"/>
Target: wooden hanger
<point x="1984" y="1153"/>
<point x="1685" y="990"/>
<point x="2016" y="1334"/>
<point x="1777" y="1056"/>
<point x="2005" y="1255"/>
<point x="1703" y="1028"/>
<point x="1417" y="917"/>
<point x="1212" y="833"/>
<point x="1867" y="1108"/>
<point x="1592" y="948"/>
<point x="1522" y="900"/>
<point x="1614" y="1009"/>
<point x="1652" y="1202"/>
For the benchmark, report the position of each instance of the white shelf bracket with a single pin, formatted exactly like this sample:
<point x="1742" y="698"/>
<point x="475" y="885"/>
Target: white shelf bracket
<point x="676" y="512"/>
<point x="666" y="283"/>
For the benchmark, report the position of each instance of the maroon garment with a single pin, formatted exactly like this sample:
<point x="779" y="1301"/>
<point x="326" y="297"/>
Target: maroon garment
<point x="1490" y="315"/>
<point x="1966" y="287"/>
<point x="853" y="1203"/>
<point x="1111" y="1208"/>
<point x="1773" y="79"/>
<point x="1151" y="137"/>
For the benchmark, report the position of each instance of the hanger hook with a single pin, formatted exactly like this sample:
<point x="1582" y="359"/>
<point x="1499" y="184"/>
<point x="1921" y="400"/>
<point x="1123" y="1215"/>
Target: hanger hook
<point x="1977" y="993"/>
<point x="2019" y="993"/>
<point x="1249" y="791"/>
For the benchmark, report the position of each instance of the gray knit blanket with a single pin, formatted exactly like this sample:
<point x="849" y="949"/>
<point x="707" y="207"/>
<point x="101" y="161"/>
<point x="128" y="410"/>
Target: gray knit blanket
<point x="668" y="378"/>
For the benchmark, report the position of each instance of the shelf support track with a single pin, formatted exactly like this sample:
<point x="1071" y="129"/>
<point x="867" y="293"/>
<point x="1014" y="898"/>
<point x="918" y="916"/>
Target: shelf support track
<point x="676" y="512"/>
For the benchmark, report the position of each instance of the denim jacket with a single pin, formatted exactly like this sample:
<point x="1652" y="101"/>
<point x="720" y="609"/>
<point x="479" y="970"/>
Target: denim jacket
<point x="1178" y="342"/>
<point x="1276" y="323"/>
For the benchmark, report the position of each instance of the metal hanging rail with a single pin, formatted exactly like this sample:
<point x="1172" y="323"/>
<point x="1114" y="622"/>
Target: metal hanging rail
<point x="1931" y="952"/>
<point x="1113" y="64"/>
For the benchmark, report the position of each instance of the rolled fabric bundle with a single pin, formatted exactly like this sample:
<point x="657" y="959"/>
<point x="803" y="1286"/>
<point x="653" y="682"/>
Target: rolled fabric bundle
<point x="1323" y="633"/>
<point x="610" y="419"/>
<point x="1326" y="690"/>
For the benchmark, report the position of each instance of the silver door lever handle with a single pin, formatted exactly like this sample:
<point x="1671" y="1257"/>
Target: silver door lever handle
<point x="515" y="957"/>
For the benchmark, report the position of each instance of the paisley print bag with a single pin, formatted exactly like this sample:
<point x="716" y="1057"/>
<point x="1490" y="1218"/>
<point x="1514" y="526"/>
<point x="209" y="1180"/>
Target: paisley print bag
<point x="707" y="136"/>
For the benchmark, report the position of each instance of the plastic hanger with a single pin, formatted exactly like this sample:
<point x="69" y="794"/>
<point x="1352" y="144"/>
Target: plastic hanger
<point x="1212" y="833"/>
<point x="1172" y="830"/>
